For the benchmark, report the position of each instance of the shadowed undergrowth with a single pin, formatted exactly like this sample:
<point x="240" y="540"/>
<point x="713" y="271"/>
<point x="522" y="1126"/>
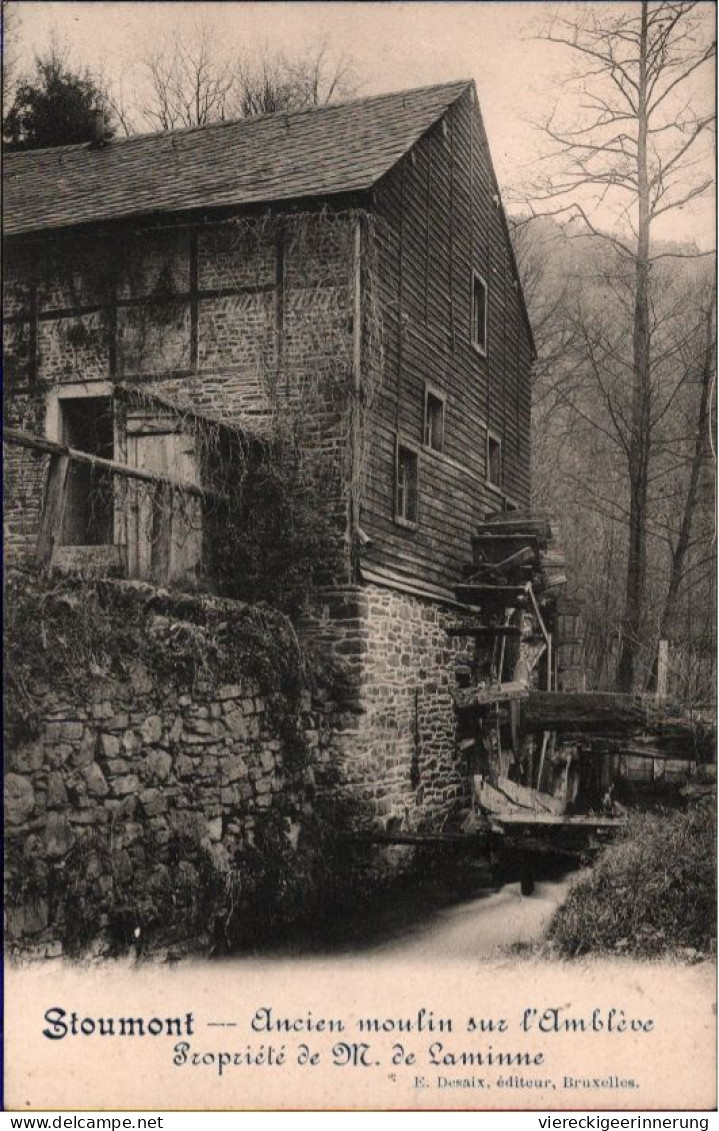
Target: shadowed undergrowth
<point x="652" y="893"/>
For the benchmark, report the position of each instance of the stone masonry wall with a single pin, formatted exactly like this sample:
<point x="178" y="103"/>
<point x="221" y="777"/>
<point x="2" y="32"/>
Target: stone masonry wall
<point x="143" y="760"/>
<point x="395" y="763"/>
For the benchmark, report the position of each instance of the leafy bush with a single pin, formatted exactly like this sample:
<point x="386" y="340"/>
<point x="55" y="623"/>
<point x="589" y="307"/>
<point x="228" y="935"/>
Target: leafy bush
<point x="276" y="534"/>
<point x="653" y="892"/>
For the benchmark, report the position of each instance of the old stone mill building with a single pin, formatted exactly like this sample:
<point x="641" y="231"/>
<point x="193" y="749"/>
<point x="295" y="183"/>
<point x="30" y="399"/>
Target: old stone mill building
<point x="346" y="267"/>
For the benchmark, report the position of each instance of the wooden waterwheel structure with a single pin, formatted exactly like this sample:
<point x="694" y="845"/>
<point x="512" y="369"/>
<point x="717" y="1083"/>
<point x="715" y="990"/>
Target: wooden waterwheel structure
<point x="543" y="752"/>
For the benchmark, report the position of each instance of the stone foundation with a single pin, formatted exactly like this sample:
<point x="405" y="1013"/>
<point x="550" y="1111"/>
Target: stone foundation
<point x="140" y="761"/>
<point x="395" y="763"/>
<point x="143" y="761"/>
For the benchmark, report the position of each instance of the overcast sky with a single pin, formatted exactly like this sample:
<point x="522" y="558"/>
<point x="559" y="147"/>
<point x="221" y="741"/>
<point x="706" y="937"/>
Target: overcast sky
<point x="393" y="46"/>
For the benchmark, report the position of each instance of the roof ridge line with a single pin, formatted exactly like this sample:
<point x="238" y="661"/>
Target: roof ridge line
<point x="183" y="130"/>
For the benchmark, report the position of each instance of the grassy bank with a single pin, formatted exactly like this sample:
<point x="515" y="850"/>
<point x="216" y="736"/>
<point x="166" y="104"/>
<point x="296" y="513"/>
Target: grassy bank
<point x="653" y="892"/>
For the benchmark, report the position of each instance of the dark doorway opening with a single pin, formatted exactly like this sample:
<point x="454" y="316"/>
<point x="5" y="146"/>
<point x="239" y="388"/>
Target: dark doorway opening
<point x="88" y="426"/>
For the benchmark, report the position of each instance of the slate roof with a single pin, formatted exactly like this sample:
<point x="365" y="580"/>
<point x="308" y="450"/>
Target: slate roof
<point x="321" y="152"/>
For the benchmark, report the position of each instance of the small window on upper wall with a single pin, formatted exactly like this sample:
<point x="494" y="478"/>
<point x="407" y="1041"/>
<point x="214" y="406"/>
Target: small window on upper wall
<point x="494" y="460"/>
<point x="433" y="421"/>
<point x="406" y="486"/>
<point x="479" y="313"/>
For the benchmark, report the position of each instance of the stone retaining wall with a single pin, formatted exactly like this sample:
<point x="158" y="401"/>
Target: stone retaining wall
<point x="141" y="762"/>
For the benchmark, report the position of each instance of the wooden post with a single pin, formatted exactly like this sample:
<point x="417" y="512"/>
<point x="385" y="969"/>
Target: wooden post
<point x="194" y="300"/>
<point x="526" y="865"/>
<point x="545" y="740"/>
<point x="33" y="359"/>
<point x="662" y="670"/>
<point x="161" y="537"/>
<point x="53" y="510"/>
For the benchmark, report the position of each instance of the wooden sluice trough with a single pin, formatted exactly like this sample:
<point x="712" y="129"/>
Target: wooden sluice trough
<point x="528" y="834"/>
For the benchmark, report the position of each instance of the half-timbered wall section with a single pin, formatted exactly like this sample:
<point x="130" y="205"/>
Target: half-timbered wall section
<point x="231" y="319"/>
<point x="445" y="249"/>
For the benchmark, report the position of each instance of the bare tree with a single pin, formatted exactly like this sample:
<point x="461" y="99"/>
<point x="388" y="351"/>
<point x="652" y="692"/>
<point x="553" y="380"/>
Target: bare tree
<point x="121" y="104"/>
<point x="188" y="82"/>
<point x="548" y="290"/>
<point x="637" y="153"/>
<point x="580" y="298"/>
<point x="10" y="25"/>
<point x="702" y="370"/>
<point x="272" y="81"/>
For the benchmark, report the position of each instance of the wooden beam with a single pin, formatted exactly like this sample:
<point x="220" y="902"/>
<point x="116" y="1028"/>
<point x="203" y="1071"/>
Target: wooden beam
<point x="625" y="723"/>
<point x="112" y="335"/>
<point x="658" y="750"/>
<point x="33" y="348"/>
<point x="493" y="538"/>
<point x="515" y="523"/>
<point x="378" y="836"/>
<point x="482" y="594"/>
<point x="597" y="711"/>
<point x="53" y="510"/>
<point x="193" y="260"/>
<point x="40" y="444"/>
<point x="576" y="822"/>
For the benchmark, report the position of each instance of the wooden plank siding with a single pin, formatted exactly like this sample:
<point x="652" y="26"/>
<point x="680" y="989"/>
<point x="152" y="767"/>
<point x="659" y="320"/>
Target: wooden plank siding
<point x="433" y="241"/>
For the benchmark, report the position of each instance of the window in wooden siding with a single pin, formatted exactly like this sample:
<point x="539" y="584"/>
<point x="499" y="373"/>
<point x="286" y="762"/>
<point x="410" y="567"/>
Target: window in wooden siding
<point x="433" y="420"/>
<point x="88" y="426"/>
<point x="479" y="313"/>
<point x="494" y="460"/>
<point x="406" y="486"/>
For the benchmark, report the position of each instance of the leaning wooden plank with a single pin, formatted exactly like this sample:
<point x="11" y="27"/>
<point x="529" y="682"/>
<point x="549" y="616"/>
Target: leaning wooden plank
<point x="488" y="574"/>
<point x="518" y="558"/>
<point x="53" y="510"/>
<point x="161" y="538"/>
<point x="492" y="800"/>
<point x="520" y="564"/>
<point x="533" y="799"/>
